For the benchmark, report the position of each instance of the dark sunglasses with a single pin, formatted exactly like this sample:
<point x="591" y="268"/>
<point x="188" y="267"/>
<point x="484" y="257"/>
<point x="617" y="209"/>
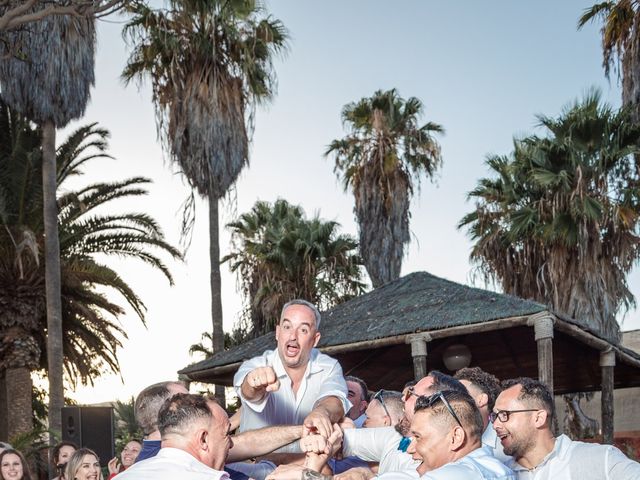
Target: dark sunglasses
<point x="379" y="395"/>
<point x="503" y="415"/>
<point x="430" y="400"/>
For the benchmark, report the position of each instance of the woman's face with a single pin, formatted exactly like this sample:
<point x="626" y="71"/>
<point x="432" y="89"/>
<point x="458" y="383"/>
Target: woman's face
<point x="130" y="453"/>
<point x="11" y="467"/>
<point x="89" y="468"/>
<point x="65" y="454"/>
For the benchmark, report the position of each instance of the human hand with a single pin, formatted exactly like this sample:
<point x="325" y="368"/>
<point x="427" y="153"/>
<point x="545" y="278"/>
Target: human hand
<point x="263" y="378"/>
<point x="286" y="472"/>
<point x="358" y="473"/>
<point x="317" y="422"/>
<point x="114" y="466"/>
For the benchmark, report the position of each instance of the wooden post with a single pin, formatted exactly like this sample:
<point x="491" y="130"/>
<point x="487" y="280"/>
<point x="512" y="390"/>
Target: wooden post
<point x="419" y="353"/>
<point x="607" y="364"/>
<point x="543" y="330"/>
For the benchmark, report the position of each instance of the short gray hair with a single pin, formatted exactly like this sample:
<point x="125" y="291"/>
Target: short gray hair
<point x="149" y="402"/>
<point x="309" y="305"/>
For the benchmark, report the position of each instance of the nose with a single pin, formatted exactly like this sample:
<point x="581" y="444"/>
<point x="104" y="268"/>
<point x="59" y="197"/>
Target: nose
<point x="412" y="446"/>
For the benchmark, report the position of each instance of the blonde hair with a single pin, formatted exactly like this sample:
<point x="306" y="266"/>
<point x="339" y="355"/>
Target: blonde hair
<point x="73" y="465"/>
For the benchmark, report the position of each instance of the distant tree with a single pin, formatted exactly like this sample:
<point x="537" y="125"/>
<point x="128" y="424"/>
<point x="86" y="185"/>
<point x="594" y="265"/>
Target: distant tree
<point x="18" y="13"/>
<point x="381" y="160"/>
<point x="620" y="44"/>
<point x="127" y="428"/>
<point x="278" y="255"/>
<point x="559" y="221"/>
<point x="209" y="62"/>
<point x="89" y="230"/>
<point x="46" y="72"/>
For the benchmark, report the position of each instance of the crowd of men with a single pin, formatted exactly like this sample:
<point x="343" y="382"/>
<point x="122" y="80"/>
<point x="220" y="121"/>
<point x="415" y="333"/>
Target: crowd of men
<point x="302" y="419"/>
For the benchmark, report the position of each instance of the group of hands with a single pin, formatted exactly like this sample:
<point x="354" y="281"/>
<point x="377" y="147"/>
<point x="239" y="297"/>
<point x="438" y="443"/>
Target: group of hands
<point x="320" y="441"/>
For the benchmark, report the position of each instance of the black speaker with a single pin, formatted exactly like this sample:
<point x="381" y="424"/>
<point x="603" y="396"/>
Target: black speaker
<point x="90" y="427"/>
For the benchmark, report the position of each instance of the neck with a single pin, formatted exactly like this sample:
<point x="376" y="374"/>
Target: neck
<point x="485" y="418"/>
<point x="543" y="446"/>
<point x="466" y="449"/>
<point x="154" y="436"/>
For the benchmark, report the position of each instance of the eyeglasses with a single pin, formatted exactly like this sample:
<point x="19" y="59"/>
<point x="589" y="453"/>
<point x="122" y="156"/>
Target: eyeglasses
<point x="503" y="415"/>
<point x="408" y="392"/>
<point x="430" y="400"/>
<point x="379" y="395"/>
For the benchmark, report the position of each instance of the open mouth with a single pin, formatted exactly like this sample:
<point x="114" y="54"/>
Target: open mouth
<point x="292" y="349"/>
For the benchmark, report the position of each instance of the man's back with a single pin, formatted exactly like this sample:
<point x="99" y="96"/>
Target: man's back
<point x="171" y="463"/>
<point x="378" y="445"/>
<point x="571" y="460"/>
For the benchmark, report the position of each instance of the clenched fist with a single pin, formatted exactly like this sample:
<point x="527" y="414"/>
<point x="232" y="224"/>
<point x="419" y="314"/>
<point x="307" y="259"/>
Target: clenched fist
<point x="262" y="379"/>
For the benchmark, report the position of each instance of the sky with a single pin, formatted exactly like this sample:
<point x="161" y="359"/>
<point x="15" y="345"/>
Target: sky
<point x="483" y="70"/>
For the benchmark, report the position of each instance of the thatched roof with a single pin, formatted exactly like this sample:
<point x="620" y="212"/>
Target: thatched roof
<point x="414" y="303"/>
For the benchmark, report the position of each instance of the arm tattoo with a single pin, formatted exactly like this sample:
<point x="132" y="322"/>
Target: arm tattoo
<point x="308" y="474"/>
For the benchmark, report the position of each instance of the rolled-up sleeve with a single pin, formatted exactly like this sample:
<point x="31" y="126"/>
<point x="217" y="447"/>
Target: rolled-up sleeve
<point x="334" y="385"/>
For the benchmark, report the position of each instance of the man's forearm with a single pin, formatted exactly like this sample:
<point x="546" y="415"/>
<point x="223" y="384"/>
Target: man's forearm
<point x="332" y="407"/>
<point x="308" y="474"/>
<point x="255" y="443"/>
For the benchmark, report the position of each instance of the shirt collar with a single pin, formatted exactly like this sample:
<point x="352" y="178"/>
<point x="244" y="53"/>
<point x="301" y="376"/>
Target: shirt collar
<point x="312" y="367"/>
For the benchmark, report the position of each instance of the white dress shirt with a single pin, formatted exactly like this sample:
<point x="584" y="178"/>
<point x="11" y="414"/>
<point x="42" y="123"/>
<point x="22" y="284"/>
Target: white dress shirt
<point x="570" y="460"/>
<point x="323" y="378"/>
<point x="379" y="445"/>
<point x="170" y="464"/>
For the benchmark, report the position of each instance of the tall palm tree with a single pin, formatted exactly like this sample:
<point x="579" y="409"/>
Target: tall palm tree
<point x="88" y="227"/>
<point x="620" y="44"/>
<point x="279" y="254"/>
<point x="558" y="222"/>
<point x="381" y="159"/>
<point x="209" y="62"/>
<point x="46" y="72"/>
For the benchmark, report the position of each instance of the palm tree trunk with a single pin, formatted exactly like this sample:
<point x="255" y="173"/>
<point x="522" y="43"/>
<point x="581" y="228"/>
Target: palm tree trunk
<point x="18" y="395"/>
<point x="52" y="276"/>
<point x="217" y="336"/>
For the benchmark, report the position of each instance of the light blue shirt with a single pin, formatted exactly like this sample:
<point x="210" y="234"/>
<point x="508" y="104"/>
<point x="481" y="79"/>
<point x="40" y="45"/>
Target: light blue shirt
<point x="323" y="378"/>
<point x="570" y="460"/>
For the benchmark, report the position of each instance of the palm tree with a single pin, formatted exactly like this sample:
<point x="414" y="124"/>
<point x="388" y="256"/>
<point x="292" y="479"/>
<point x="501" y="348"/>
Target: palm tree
<point x="279" y="254"/>
<point x="379" y="158"/>
<point x="559" y="222"/>
<point x="620" y="44"/>
<point x="209" y="62"/>
<point x="46" y="72"/>
<point x="91" y="332"/>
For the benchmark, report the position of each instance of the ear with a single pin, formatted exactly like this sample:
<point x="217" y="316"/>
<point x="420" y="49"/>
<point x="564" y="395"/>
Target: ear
<point x="317" y="339"/>
<point x="458" y="437"/>
<point x="203" y="440"/>
<point x="540" y="418"/>
<point x="482" y="400"/>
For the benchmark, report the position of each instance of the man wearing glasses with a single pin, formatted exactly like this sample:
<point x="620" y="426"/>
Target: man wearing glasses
<point x="522" y="417"/>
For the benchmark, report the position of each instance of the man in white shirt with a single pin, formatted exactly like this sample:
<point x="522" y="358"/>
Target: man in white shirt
<point x="387" y="445"/>
<point x="446" y="436"/>
<point x="522" y="417"/>
<point x="484" y="389"/>
<point x="295" y="384"/>
<point x="358" y="395"/>
<point x="195" y="442"/>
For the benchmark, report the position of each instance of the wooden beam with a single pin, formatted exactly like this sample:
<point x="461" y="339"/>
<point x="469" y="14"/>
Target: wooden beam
<point x="607" y="364"/>
<point x="543" y="328"/>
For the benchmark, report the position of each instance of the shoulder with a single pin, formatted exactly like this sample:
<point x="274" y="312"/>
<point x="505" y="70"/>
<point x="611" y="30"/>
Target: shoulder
<point x="453" y="471"/>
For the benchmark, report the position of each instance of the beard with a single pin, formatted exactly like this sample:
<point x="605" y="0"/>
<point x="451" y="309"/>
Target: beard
<point x="519" y="446"/>
<point x="403" y="427"/>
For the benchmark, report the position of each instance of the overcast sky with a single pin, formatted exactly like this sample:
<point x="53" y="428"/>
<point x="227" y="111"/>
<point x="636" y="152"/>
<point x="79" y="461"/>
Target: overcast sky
<point x="482" y="69"/>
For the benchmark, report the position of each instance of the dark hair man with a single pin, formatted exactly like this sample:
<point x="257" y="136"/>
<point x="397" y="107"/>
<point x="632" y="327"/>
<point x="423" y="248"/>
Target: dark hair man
<point x="295" y="384"/>
<point x="358" y="395"/>
<point x="446" y="433"/>
<point x="523" y="415"/>
<point x="388" y="445"/>
<point x="484" y="389"/>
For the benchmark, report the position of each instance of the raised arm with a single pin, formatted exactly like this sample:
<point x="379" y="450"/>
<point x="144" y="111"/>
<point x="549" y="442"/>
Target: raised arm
<point x="254" y="443"/>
